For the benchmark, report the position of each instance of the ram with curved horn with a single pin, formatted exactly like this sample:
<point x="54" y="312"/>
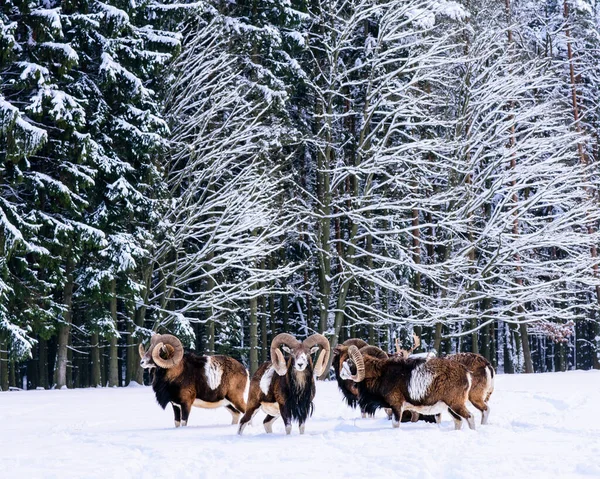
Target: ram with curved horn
<point x="286" y="387"/>
<point x="349" y="388"/>
<point x="186" y="379"/>
<point x="420" y="385"/>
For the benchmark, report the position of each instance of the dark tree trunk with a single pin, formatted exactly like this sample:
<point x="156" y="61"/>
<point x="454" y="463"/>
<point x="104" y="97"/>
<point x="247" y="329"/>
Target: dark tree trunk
<point x="253" y="337"/>
<point x="3" y="365"/>
<point x="43" y="363"/>
<point x="113" y="369"/>
<point x="64" y="328"/>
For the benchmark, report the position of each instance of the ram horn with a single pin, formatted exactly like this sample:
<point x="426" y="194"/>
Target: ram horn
<point x="359" y="362"/>
<point x="374" y="352"/>
<point x="323" y="359"/>
<point x="174" y="348"/>
<point x="141" y="350"/>
<point x="359" y="343"/>
<point x="283" y="339"/>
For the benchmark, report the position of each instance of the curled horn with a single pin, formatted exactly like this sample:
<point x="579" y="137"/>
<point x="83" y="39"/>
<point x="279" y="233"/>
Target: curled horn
<point x="323" y="359"/>
<point x="374" y="352"/>
<point x="141" y="350"/>
<point x="277" y="356"/>
<point x="359" y="343"/>
<point x="359" y="362"/>
<point x="174" y="348"/>
<point x="417" y="343"/>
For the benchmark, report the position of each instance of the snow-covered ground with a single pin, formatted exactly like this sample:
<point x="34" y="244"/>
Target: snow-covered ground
<point x="544" y="425"/>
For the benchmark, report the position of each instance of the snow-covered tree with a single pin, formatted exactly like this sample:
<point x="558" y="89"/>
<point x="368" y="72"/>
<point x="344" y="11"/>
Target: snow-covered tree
<point x="227" y="212"/>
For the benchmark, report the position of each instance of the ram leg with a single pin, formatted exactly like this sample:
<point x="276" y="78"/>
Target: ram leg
<point x="176" y="413"/>
<point x="247" y="417"/>
<point x="268" y="423"/>
<point x="486" y="414"/>
<point x="479" y="404"/>
<point x="397" y="411"/>
<point x="235" y="414"/>
<point x="457" y="419"/>
<point x="287" y="419"/>
<point x="185" y="413"/>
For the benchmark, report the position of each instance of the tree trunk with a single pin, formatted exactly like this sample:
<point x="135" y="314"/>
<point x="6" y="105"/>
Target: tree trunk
<point x="64" y="328"/>
<point x="140" y="316"/>
<point x="43" y="363"/>
<point x="131" y="353"/>
<point x="596" y="345"/>
<point x="210" y="324"/>
<point x="113" y="369"/>
<point x="253" y="337"/>
<point x="12" y="376"/>
<point x="3" y="364"/>
<point x="96" y="379"/>
<point x="528" y="362"/>
<point x="263" y="330"/>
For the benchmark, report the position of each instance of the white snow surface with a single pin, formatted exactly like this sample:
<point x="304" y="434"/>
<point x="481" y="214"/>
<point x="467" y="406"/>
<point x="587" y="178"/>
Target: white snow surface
<point x="543" y="425"/>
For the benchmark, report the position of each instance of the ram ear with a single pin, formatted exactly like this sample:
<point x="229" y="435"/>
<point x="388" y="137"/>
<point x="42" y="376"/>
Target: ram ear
<point x="314" y="349"/>
<point x="286" y="349"/>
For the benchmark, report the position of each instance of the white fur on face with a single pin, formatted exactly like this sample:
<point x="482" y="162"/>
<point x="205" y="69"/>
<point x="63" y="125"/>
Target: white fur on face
<point x="301" y="362"/>
<point x="145" y="363"/>
<point x="420" y="380"/>
<point x="213" y="372"/>
<point x="265" y="381"/>
<point x="345" y="372"/>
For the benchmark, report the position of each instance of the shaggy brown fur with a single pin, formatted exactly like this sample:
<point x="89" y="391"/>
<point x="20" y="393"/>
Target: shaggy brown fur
<point x="350" y="389"/>
<point x="483" y="380"/>
<point x="412" y="384"/>
<point x="186" y="384"/>
<point x="289" y="394"/>
<point x="275" y="402"/>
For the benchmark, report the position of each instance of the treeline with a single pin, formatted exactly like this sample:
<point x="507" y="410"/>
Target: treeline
<point x="226" y="171"/>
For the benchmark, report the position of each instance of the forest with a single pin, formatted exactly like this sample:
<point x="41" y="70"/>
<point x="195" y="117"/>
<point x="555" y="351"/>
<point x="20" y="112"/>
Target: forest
<point x="229" y="170"/>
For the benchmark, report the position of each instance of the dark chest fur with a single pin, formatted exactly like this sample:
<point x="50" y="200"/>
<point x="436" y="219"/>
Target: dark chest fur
<point x="343" y="385"/>
<point x="171" y="388"/>
<point x="165" y="390"/>
<point x="301" y="389"/>
<point x="391" y="377"/>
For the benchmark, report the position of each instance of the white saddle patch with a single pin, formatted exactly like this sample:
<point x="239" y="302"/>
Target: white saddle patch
<point x="271" y="408"/>
<point x="420" y="380"/>
<point x="210" y="405"/>
<point x="213" y="372"/>
<point x="265" y="381"/>
<point x="437" y="408"/>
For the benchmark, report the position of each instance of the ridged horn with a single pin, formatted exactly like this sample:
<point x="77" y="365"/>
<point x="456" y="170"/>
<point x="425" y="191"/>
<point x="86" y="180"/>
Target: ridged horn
<point x="359" y="362"/>
<point x="141" y="350"/>
<point x="174" y="347"/>
<point x="359" y="343"/>
<point x="323" y="359"/>
<point x="277" y="356"/>
<point x="374" y="352"/>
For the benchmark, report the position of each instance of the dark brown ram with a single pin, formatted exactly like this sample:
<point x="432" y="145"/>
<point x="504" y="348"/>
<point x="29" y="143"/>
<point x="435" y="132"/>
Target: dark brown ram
<point x="420" y="385"/>
<point x="483" y="380"/>
<point x="186" y="379"/>
<point x="287" y="388"/>
<point x="350" y="389"/>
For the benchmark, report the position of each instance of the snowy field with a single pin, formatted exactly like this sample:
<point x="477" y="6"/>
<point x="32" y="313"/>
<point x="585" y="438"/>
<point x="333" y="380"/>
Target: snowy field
<point x="544" y="425"/>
